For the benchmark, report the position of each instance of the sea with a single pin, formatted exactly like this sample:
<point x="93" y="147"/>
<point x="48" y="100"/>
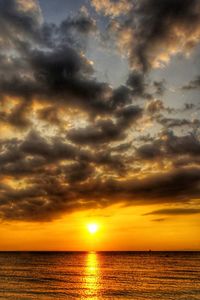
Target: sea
<point x="100" y="275"/>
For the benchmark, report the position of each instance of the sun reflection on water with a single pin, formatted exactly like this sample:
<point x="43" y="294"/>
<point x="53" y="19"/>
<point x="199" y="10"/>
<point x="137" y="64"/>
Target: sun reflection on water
<point x="91" y="276"/>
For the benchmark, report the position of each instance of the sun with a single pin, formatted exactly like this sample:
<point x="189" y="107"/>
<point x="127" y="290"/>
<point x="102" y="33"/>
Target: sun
<point x="92" y="228"/>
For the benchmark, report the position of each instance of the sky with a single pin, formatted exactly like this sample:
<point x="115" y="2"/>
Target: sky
<point x="99" y="123"/>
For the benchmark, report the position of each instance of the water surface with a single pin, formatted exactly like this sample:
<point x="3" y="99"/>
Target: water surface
<point x="100" y="276"/>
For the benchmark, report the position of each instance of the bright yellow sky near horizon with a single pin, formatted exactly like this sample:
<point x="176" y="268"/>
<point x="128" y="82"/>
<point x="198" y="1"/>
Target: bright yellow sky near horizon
<point x="120" y="228"/>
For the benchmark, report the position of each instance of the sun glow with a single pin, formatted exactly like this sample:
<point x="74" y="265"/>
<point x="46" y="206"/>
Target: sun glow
<point x="92" y="228"/>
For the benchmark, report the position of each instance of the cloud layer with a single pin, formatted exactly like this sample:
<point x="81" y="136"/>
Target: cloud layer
<point x="71" y="142"/>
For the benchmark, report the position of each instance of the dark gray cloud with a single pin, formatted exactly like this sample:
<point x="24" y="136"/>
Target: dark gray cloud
<point x="139" y="85"/>
<point x="188" y="144"/>
<point x="80" y="143"/>
<point x="137" y="81"/>
<point x="49" y="64"/>
<point x="102" y="132"/>
<point x="49" y="196"/>
<point x="105" y="131"/>
<point x="154" y="30"/>
<point x="38" y="146"/>
<point x="16" y="23"/>
<point x="79" y="171"/>
<point x="172" y="147"/>
<point x="149" y="151"/>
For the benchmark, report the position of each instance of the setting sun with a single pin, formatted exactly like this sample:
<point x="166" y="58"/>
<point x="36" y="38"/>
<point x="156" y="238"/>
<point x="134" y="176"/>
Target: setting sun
<point x="92" y="228"/>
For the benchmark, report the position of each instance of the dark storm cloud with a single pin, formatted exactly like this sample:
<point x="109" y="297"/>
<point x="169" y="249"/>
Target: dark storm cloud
<point x="154" y="30"/>
<point x="79" y="172"/>
<point x="35" y="155"/>
<point x="121" y="96"/>
<point x="137" y="82"/>
<point x="9" y="152"/>
<point x="63" y="75"/>
<point x="105" y="131"/>
<point x="188" y="144"/>
<point x="149" y="151"/>
<point x="177" y="185"/>
<point x="15" y="22"/>
<point x="128" y="115"/>
<point x="181" y="150"/>
<point x="49" y="196"/>
<point x="52" y="66"/>
<point x="23" y="167"/>
<point x="111" y="162"/>
<point x="37" y="145"/>
<point x="141" y="86"/>
<point x="32" y="154"/>
<point x="83" y="143"/>
<point x="102" y="132"/>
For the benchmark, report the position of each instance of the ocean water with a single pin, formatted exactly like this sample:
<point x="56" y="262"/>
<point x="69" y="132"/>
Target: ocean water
<point x="101" y="275"/>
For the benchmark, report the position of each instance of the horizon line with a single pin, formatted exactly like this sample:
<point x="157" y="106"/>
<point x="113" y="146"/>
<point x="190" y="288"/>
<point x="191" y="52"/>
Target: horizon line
<point x="98" y="251"/>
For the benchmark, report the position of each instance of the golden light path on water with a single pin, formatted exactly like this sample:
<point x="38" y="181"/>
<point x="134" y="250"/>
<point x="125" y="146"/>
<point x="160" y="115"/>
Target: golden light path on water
<point x="91" y="276"/>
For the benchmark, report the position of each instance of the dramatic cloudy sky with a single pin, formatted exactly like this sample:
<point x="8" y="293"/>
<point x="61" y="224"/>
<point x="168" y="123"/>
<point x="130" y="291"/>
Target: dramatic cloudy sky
<point x="99" y="120"/>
